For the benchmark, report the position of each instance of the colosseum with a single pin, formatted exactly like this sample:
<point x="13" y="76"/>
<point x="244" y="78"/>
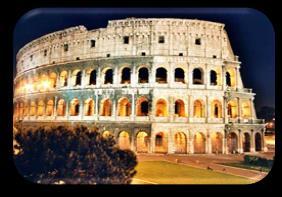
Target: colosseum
<point x="158" y="85"/>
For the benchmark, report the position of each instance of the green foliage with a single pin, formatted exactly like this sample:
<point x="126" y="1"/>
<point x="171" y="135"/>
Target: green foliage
<point x="258" y="161"/>
<point x="81" y="155"/>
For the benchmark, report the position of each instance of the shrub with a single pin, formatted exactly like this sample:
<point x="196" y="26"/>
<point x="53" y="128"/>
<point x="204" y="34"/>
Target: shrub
<point x="81" y="155"/>
<point x="258" y="161"/>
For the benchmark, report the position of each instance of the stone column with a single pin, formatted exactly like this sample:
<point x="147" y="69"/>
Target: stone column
<point x="81" y="113"/>
<point x="115" y="76"/>
<point x="191" y="110"/>
<point x="208" y="143"/>
<point x="207" y="76"/>
<point x="170" y="145"/>
<point x="150" y="72"/>
<point x="114" y="109"/>
<point x="133" y="107"/>
<point x="264" y="147"/>
<point x="171" y="108"/>
<point x="224" y="144"/>
<point x="240" y="142"/>
<point x="69" y="80"/>
<point x="96" y="105"/>
<point x="67" y="112"/>
<point x="252" y="136"/>
<point x="99" y="77"/>
<point x="44" y="109"/>
<point x="57" y="81"/>
<point x="187" y="142"/>
<point x="252" y="109"/>
<point x="191" y="143"/>
<point x="190" y="78"/>
<point x="225" y="114"/>
<point x="223" y="77"/>
<point x="170" y="75"/>
<point x="83" y="78"/>
<point x="207" y="106"/>
<point x="133" y="76"/>
<point x="55" y="107"/>
<point x="132" y="141"/>
<point x="239" y="108"/>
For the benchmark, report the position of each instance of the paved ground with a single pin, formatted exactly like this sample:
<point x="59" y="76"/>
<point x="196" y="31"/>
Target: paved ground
<point x="209" y="161"/>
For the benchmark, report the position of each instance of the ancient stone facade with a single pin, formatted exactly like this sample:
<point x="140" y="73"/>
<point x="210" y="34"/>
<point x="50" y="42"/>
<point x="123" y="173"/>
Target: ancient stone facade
<point x="157" y="85"/>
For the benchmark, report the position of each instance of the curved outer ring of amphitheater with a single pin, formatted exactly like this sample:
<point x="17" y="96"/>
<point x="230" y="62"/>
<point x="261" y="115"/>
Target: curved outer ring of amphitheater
<point x="161" y="46"/>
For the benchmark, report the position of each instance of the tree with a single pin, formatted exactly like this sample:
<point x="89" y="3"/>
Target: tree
<point x="74" y="156"/>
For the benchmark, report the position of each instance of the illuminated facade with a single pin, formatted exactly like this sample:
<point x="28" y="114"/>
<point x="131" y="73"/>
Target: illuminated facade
<point x="157" y="85"/>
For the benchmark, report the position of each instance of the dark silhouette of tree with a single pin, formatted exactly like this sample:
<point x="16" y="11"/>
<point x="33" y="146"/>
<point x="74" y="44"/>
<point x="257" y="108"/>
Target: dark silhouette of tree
<point x="73" y="156"/>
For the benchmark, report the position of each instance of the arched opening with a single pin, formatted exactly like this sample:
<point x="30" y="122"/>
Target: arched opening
<point x="216" y="139"/>
<point x="180" y="142"/>
<point x="160" y="143"/>
<point x="125" y="75"/>
<point x="228" y="79"/>
<point x="64" y="79"/>
<point x="213" y="78"/>
<point x="198" y="77"/>
<point x="32" y="110"/>
<point x="258" y="142"/>
<point x="92" y="77"/>
<point x="106" y="107"/>
<point x="143" y="75"/>
<point x="74" y="107"/>
<point x="124" y="107"/>
<point x="179" y="108"/>
<point x="142" y="142"/>
<point x="142" y="107"/>
<point x="199" y="143"/>
<point x="198" y="109"/>
<point x="246" y="142"/>
<point x="50" y="108"/>
<point x="61" y="108"/>
<point x="161" y="108"/>
<point x="232" y="143"/>
<point x="53" y="79"/>
<point x="89" y="107"/>
<point x="40" y="108"/>
<point x="124" y="140"/>
<point x="161" y="75"/>
<point x="216" y="109"/>
<point x="78" y="78"/>
<point x="232" y="109"/>
<point x="179" y="75"/>
<point x="246" y="109"/>
<point x="108" y="79"/>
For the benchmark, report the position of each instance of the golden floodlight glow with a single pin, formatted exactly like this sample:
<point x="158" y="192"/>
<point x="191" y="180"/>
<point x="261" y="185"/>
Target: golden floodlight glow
<point x="29" y="87"/>
<point x="45" y="84"/>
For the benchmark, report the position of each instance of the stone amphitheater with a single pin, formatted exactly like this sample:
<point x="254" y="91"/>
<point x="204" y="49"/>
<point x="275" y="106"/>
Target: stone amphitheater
<point x="158" y="85"/>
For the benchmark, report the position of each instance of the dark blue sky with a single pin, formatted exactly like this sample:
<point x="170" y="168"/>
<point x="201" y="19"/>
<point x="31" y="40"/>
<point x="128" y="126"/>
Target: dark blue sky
<point x="250" y="32"/>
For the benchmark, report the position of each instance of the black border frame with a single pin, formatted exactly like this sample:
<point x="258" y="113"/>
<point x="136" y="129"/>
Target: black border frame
<point x="12" y="181"/>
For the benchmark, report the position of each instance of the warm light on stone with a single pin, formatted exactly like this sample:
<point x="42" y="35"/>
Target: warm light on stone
<point x="157" y="85"/>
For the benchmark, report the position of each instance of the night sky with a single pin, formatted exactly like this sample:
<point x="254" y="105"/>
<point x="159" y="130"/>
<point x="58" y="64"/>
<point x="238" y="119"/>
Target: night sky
<point x="250" y="32"/>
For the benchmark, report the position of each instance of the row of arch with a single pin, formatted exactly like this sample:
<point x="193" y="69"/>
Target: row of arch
<point x="52" y="80"/>
<point x="181" y="142"/>
<point x="124" y="108"/>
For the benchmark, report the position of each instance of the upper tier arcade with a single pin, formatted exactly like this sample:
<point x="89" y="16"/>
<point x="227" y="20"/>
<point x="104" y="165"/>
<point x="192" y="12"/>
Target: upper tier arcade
<point x="129" y="37"/>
